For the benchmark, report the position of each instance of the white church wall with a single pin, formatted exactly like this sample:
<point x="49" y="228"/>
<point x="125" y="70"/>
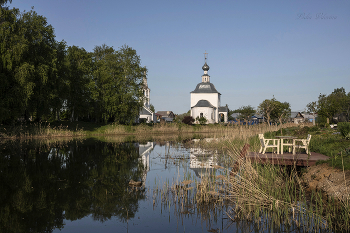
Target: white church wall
<point x="208" y="113"/>
<point x="213" y="98"/>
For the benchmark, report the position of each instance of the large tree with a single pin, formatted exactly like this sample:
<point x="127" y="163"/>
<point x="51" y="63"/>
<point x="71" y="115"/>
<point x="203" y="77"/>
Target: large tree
<point x="281" y="111"/>
<point x="28" y="63"/>
<point x="15" y="89"/>
<point x="266" y="108"/>
<point x="245" y="112"/>
<point x="117" y="76"/>
<point x="336" y="103"/>
<point x="78" y="82"/>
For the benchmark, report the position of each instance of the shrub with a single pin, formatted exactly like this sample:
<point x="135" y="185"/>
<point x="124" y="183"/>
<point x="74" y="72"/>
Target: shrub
<point x="202" y="120"/>
<point x="188" y="120"/>
<point x="344" y="129"/>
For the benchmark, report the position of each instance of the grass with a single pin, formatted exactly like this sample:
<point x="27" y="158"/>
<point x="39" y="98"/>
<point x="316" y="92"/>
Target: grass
<point x="72" y="129"/>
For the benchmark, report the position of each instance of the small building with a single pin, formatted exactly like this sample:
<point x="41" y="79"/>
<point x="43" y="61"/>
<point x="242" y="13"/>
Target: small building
<point x="297" y="117"/>
<point x="309" y="117"/>
<point x="167" y="116"/>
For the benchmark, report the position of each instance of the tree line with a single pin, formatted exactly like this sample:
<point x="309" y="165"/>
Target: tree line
<point x="335" y="107"/>
<point x="45" y="79"/>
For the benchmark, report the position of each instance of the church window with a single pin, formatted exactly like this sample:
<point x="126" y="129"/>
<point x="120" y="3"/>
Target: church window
<point x="201" y="114"/>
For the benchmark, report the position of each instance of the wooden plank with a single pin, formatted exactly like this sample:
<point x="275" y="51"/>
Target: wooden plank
<point x="287" y="158"/>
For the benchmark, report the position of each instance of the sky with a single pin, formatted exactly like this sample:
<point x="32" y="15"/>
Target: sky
<point x="293" y="50"/>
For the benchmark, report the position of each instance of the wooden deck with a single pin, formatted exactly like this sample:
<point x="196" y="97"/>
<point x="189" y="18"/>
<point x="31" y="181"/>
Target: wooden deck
<point x="287" y="158"/>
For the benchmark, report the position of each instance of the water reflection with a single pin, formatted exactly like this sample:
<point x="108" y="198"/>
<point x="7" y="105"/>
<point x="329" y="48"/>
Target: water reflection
<point x="202" y="161"/>
<point x="43" y="184"/>
<point x="83" y="185"/>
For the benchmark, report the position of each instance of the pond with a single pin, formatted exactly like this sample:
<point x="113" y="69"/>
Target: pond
<point x="83" y="185"/>
<point x="90" y="185"/>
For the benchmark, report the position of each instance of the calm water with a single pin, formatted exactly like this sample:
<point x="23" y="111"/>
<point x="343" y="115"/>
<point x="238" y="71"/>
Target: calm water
<point x="83" y="186"/>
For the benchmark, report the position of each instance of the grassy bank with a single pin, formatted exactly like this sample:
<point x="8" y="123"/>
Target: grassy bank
<point x="72" y="129"/>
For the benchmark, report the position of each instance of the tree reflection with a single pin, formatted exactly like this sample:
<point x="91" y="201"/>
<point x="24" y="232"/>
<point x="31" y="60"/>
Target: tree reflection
<point x="43" y="184"/>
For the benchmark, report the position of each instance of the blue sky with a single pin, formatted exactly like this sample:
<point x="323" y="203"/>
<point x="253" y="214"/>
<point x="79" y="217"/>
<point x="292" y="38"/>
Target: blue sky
<point x="290" y="49"/>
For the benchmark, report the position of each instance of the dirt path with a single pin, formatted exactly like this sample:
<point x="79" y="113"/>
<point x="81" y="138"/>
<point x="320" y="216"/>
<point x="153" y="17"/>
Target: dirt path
<point x="332" y="181"/>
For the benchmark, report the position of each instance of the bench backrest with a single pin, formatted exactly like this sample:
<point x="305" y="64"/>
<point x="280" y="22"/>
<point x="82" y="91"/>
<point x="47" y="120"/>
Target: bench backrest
<point x="261" y="137"/>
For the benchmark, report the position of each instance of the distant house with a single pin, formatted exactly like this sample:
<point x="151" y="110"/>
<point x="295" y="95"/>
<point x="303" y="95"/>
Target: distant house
<point x="167" y="116"/>
<point x="309" y="117"/>
<point x="257" y="118"/>
<point x="297" y="117"/>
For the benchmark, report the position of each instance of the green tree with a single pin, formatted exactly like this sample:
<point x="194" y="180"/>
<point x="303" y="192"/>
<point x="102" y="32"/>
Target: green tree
<point x="79" y="82"/>
<point x="180" y="117"/>
<point x="38" y="61"/>
<point x="266" y="108"/>
<point x="336" y="103"/>
<point x="281" y="111"/>
<point x="312" y="108"/>
<point x="28" y="63"/>
<point x="245" y="112"/>
<point x="117" y="77"/>
<point x="3" y="2"/>
<point x="58" y="84"/>
<point x="15" y="88"/>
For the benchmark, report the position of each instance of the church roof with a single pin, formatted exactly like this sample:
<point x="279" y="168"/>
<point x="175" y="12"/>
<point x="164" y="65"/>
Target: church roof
<point x="205" y="88"/>
<point x="145" y="111"/>
<point x="204" y="103"/>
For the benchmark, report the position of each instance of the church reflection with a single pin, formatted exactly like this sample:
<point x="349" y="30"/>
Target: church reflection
<point x="202" y="161"/>
<point x="144" y="153"/>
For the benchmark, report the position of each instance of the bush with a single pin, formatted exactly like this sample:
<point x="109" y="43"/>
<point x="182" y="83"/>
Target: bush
<point x="202" y="120"/>
<point x="188" y="120"/>
<point x="344" y="129"/>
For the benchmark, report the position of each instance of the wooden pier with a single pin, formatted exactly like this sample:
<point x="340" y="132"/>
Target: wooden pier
<point x="287" y="158"/>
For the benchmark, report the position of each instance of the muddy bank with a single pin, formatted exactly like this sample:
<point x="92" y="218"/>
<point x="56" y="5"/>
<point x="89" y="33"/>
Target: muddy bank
<point x="332" y="181"/>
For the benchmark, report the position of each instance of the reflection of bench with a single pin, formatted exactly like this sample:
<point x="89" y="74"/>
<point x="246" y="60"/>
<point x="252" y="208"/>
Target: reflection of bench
<point x="302" y="143"/>
<point x="265" y="143"/>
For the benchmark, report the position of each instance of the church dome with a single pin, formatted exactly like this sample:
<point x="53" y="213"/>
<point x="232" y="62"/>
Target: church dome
<point x="205" y="67"/>
<point x="205" y="88"/>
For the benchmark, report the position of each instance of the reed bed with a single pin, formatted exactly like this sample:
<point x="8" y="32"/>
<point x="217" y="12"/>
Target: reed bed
<point x="266" y="196"/>
<point x="37" y="130"/>
<point x="72" y="129"/>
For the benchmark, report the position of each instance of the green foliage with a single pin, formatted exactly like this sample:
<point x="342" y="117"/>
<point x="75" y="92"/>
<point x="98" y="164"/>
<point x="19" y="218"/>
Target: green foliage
<point x="336" y="104"/>
<point x="245" y="112"/>
<point x="151" y="107"/>
<point x="281" y="111"/>
<point x="202" y="120"/>
<point x="274" y="110"/>
<point x="78" y="82"/>
<point x="42" y="78"/>
<point x="344" y="129"/>
<point x="117" y="76"/>
<point x="180" y="117"/>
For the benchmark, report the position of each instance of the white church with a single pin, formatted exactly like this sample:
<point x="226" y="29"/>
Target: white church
<point x="205" y="100"/>
<point x="146" y="113"/>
